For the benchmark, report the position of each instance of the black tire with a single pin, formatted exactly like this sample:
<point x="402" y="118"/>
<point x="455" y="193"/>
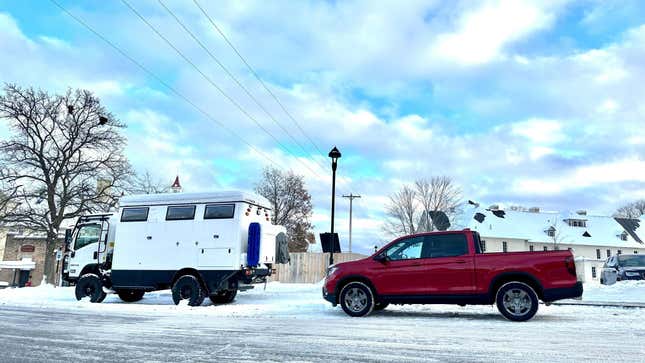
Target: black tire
<point x="223" y="297"/>
<point x="130" y="295"/>
<point x="188" y="288"/>
<point x="89" y="285"/>
<point x="517" y="301"/>
<point x="357" y="299"/>
<point x="380" y="306"/>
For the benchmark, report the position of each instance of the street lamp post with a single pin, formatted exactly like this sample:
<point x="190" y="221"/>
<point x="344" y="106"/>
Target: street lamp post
<point x="334" y="154"/>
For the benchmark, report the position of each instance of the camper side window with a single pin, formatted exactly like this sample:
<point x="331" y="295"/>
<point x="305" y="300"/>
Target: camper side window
<point x="180" y="213"/>
<point x="134" y="214"/>
<point x="219" y="211"/>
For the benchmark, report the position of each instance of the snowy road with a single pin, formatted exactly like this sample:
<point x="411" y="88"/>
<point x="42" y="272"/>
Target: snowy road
<point x="292" y="323"/>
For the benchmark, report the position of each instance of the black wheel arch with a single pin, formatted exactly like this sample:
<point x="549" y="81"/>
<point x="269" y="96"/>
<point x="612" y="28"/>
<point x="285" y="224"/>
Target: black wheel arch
<point x="354" y="278"/>
<point x="519" y="276"/>
<point x="191" y="272"/>
<point x="92" y="268"/>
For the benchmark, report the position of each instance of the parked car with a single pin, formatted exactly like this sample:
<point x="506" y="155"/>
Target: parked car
<point x="450" y="268"/>
<point x="623" y="267"/>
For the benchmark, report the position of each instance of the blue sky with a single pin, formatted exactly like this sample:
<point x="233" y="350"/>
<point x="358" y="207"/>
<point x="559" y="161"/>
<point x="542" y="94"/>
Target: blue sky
<point x="538" y="103"/>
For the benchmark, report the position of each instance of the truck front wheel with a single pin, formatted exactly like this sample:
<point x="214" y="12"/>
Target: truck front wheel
<point x="187" y="288"/>
<point x="357" y="299"/>
<point x="89" y="285"/>
<point x="517" y="301"/>
<point x="223" y="297"/>
<point x="130" y="295"/>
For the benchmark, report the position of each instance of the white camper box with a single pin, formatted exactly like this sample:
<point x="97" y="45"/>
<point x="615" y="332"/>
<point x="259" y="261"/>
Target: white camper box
<point x="189" y="242"/>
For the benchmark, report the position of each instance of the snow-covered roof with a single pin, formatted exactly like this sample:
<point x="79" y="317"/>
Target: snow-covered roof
<point x="533" y="227"/>
<point x="182" y="198"/>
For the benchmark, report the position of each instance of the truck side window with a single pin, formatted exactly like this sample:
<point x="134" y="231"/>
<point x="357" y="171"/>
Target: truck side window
<point x="180" y="213"/>
<point x="406" y="249"/>
<point x="87" y="235"/>
<point x="219" y="211"/>
<point x="134" y="214"/>
<point x="446" y="245"/>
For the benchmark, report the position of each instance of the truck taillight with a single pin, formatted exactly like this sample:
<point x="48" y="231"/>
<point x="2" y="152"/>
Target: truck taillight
<point x="571" y="265"/>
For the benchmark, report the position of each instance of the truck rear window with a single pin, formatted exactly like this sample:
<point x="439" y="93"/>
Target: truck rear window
<point x="219" y="211"/>
<point x="134" y="214"/>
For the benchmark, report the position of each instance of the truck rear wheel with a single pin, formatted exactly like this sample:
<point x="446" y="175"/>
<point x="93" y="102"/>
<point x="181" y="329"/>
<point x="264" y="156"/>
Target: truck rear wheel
<point x="130" y="295"/>
<point x="188" y="288"/>
<point x="89" y="285"/>
<point x="223" y="297"/>
<point x="517" y="301"/>
<point x="357" y="299"/>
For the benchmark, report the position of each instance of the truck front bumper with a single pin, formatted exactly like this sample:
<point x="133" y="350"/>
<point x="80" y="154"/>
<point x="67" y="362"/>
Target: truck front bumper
<point x="329" y="297"/>
<point x="561" y="293"/>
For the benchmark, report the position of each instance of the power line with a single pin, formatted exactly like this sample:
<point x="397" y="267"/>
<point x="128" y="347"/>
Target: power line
<point x="162" y="82"/>
<point x="209" y="80"/>
<point x="228" y="72"/>
<point x="258" y="77"/>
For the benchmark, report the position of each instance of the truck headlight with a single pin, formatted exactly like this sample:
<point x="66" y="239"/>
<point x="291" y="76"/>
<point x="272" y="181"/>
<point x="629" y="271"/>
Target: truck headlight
<point x="331" y="269"/>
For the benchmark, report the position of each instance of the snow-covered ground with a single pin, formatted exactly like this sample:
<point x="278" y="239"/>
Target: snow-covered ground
<point x="291" y="322"/>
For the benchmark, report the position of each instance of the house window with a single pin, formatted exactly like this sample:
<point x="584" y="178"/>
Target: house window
<point x="180" y="213"/>
<point x="623" y="236"/>
<point x="134" y="214"/>
<point x="593" y="272"/>
<point x="483" y="244"/>
<point x="598" y="254"/>
<point x="531" y="248"/>
<point x="620" y="252"/>
<point x="545" y="248"/>
<point x="504" y="246"/>
<point x="608" y="253"/>
<point x="550" y="232"/>
<point x="577" y="223"/>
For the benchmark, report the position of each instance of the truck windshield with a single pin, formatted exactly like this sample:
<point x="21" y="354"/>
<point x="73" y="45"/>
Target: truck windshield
<point x="631" y="261"/>
<point x="87" y="234"/>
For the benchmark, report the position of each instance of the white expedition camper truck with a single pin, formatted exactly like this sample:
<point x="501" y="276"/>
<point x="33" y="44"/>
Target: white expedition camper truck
<point x="200" y="244"/>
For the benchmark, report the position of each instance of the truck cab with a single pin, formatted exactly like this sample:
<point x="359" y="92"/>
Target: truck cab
<point x="89" y="245"/>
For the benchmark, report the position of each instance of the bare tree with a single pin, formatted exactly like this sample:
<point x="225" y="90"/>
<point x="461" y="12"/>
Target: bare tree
<point x="146" y="184"/>
<point x="291" y="204"/>
<point x="632" y="210"/>
<point x="437" y="194"/>
<point x="63" y="159"/>
<point x="402" y="212"/>
<point x="410" y="210"/>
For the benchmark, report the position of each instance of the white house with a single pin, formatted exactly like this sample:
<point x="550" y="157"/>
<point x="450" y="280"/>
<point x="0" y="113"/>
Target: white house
<point x="591" y="238"/>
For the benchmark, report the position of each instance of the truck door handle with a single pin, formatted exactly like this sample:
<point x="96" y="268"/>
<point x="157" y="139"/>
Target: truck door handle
<point x="96" y="255"/>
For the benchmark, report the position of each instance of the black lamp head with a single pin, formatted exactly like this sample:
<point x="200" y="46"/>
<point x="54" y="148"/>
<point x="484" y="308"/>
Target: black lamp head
<point x="334" y="154"/>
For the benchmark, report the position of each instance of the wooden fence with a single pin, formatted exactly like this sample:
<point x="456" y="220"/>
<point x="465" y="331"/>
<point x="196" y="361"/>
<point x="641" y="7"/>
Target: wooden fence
<point x="308" y="267"/>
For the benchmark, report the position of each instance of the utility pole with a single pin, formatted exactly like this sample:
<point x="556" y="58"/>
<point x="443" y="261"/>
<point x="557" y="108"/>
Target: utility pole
<point x="351" y="199"/>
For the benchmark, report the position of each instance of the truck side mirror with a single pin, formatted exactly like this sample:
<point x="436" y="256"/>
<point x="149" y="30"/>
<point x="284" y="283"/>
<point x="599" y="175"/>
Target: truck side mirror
<point x="381" y="257"/>
<point x="68" y="239"/>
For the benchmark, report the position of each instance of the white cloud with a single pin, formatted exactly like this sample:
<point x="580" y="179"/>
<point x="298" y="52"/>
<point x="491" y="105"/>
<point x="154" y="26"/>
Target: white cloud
<point x="539" y="130"/>
<point x="483" y="33"/>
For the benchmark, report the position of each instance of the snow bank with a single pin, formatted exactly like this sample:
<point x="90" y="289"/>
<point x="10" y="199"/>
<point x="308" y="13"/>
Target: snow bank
<point x="622" y="291"/>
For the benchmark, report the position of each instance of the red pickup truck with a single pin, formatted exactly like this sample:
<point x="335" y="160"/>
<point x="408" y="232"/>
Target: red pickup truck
<point x="450" y="268"/>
